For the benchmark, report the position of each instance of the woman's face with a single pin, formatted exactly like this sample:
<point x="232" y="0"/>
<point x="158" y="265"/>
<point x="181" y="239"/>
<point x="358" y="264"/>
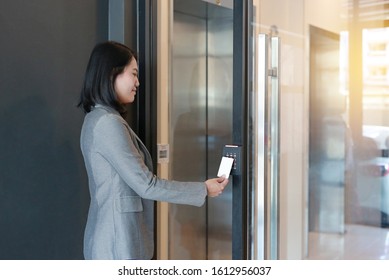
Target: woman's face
<point x="127" y="82"/>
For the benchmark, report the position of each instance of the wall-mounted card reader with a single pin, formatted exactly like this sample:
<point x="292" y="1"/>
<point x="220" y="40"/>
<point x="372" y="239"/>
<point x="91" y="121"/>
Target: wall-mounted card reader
<point x="234" y="151"/>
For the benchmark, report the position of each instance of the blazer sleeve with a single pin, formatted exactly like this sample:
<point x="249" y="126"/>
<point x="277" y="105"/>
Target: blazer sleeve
<point x="113" y="141"/>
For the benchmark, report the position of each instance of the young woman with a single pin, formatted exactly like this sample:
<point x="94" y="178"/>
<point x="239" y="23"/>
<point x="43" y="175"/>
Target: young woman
<point x="122" y="185"/>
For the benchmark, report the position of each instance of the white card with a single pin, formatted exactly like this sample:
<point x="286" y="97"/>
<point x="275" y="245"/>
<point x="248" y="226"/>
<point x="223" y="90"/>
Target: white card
<point x="225" y="167"/>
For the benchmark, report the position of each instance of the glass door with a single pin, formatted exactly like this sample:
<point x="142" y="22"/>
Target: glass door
<point x="279" y="133"/>
<point x="333" y="129"/>
<point x="348" y="152"/>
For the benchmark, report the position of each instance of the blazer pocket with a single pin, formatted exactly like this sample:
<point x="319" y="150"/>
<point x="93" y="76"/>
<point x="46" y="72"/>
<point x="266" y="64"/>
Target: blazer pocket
<point x="128" y="204"/>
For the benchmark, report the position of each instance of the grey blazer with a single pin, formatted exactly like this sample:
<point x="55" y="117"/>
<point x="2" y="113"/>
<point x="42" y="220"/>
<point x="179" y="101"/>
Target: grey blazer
<point x="123" y="189"/>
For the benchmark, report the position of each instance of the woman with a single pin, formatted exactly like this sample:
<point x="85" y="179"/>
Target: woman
<point x="121" y="183"/>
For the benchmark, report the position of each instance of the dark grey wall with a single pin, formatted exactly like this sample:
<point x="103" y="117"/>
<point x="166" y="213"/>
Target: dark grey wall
<point x="44" y="49"/>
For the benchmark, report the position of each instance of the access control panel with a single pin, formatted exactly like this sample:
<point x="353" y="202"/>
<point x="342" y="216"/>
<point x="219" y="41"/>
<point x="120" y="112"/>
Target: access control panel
<point x="234" y="151"/>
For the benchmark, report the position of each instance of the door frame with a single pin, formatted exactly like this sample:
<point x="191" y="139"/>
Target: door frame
<point x="241" y="86"/>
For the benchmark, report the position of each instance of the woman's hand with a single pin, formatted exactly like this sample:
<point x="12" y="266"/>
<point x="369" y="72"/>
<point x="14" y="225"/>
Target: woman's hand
<point x="216" y="186"/>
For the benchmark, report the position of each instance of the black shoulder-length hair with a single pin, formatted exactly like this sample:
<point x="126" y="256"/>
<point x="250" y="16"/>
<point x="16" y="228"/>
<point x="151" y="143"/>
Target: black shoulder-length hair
<point x="106" y="62"/>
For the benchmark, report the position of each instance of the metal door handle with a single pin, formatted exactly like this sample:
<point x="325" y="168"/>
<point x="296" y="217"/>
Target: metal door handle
<point x="266" y="150"/>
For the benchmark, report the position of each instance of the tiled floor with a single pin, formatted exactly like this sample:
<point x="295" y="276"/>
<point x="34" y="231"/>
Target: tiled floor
<point x="357" y="243"/>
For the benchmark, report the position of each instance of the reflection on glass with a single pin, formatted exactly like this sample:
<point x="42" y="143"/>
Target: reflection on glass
<point x="364" y="145"/>
<point x="328" y="131"/>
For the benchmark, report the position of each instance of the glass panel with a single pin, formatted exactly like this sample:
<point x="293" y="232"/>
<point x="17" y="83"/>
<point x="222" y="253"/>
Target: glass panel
<point x="201" y="124"/>
<point x="334" y="159"/>
<point x="348" y="158"/>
